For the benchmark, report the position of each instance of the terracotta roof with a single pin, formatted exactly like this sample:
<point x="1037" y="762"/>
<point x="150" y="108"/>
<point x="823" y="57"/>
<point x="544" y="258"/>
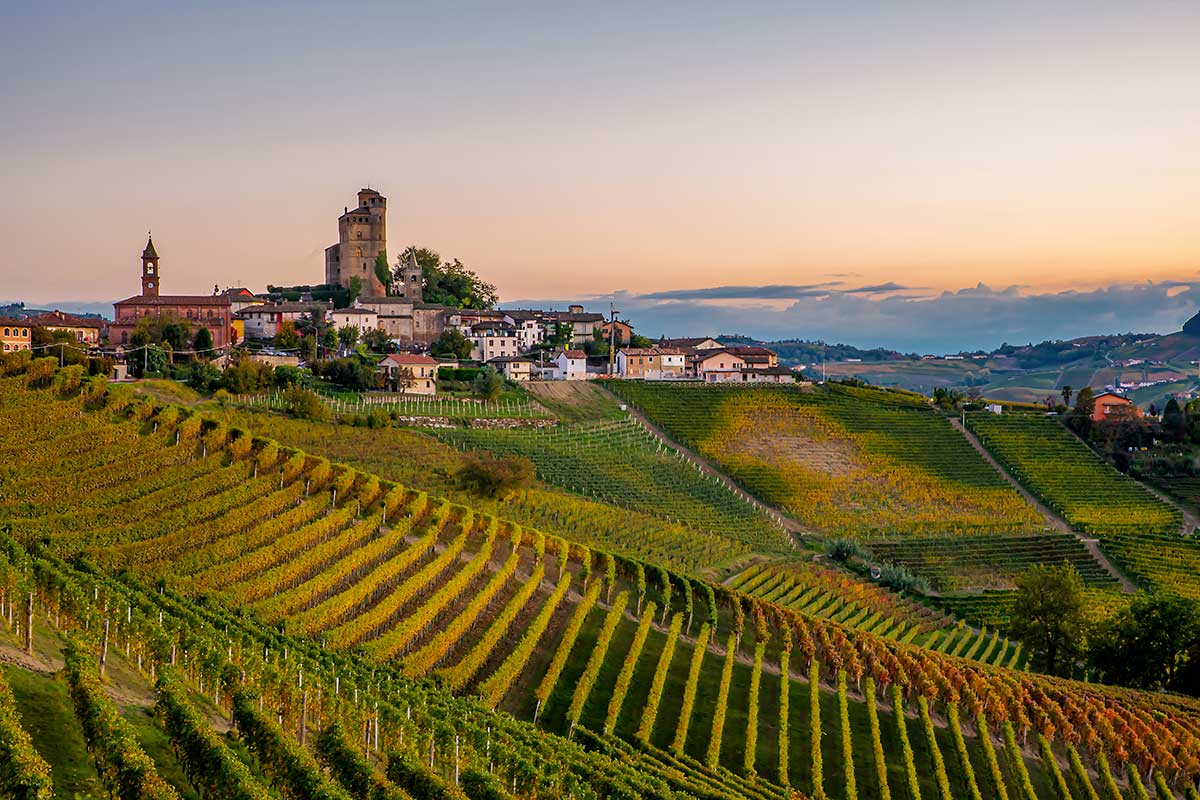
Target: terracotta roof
<point x="353" y="311"/>
<point x="509" y="360"/>
<point x="238" y="291"/>
<point x="11" y="321"/>
<point x="639" y="351"/>
<point x="63" y="319"/>
<point x="1113" y="394"/>
<point x="688" y="341"/>
<point x="404" y="359"/>
<point x="574" y="354"/>
<point x="749" y="350"/>
<point x="175" y="300"/>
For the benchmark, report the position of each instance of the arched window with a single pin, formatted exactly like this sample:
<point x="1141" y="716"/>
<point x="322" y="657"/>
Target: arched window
<point x="359" y="252"/>
<point x="6" y="333"/>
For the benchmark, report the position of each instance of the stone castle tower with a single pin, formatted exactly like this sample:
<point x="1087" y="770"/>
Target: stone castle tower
<point x="362" y="235"/>
<point x="410" y="286"/>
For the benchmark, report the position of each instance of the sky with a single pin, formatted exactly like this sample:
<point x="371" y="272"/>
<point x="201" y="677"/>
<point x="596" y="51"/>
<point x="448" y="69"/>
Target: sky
<point x="948" y="159"/>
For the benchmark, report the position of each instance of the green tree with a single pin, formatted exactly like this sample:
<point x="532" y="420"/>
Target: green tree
<point x="488" y="384"/>
<point x="1048" y="616"/>
<point x="329" y="338"/>
<point x="377" y="340"/>
<point x="637" y="340"/>
<point x="203" y="339"/>
<point x="1149" y="644"/>
<point x="449" y="283"/>
<point x="355" y="288"/>
<point x="1174" y="421"/>
<point x="347" y="336"/>
<point x="308" y="349"/>
<point x="1085" y="402"/>
<point x="452" y="344"/>
<point x="203" y="376"/>
<point x="286" y="337"/>
<point x="305" y="404"/>
<point x="248" y="375"/>
<point x="382" y="271"/>
<point x="1066" y="395"/>
<point x="176" y="334"/>
<point x="352" y="372"/>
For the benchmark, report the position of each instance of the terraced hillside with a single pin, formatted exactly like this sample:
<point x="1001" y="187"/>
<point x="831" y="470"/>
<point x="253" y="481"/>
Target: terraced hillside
<point x="1090" y="495"/>
<point x="958" y="563"/>
<point x="842" y="461"/>
<point x="642" y="681"/>
<point x="625" y="465"/>
<point x="419" y="460"/>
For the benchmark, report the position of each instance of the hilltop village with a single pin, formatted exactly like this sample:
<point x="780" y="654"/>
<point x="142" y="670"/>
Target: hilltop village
<point x="379" y="314"/>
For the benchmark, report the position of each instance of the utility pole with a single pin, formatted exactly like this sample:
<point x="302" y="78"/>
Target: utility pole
<point x="612" y="337"/>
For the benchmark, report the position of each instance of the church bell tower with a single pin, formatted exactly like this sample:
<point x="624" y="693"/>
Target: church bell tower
<point x="150" y="276"/>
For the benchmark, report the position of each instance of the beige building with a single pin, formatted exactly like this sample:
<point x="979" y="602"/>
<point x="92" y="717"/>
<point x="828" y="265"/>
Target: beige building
<point x="364" y="319"/>
<point x="14" y="334"/>
<point x="410" y="374"/>
<point x="514" y="368"/>
<point x="650" y="363"/>
<point x="491" y="340"/>
<point x="407" y="320"/>
<point x="85" y="329"/>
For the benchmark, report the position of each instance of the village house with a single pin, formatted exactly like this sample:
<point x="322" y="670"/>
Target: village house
<point x="624" y="332"/>
<point x="263" y="321"/>
<point x="692" y="343"/>
<point x="1112" y="406"/>
<point x="718" y="366"/>
<point x="650" y="363"/>
<point x="514" y="368"/>
<point x="493" y="339"/>
<point x="768" y="375"/>
<point x="86" y="330"/>
<point x="209" y="311"/>
<point x="530" y="326"/>
<point x="14" y="334"/>
<point x="411" y="374"/>
<point x="755" y="357"/>
<point x="241" y="298"/>
<point x="569" y="365"/>
<point x="583" y="324"/>
<point x="362" y="319"/>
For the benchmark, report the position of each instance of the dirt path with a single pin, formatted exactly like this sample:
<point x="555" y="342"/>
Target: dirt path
<point x="706" y="467"/>
<point x="1053" y="520"/>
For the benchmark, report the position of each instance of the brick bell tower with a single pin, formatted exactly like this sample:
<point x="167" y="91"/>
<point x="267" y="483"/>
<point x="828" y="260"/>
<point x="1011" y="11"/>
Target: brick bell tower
<point x="150" y="276"/>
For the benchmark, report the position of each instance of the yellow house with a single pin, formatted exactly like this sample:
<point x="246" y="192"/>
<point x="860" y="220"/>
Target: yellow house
<point x="14" y="334"/>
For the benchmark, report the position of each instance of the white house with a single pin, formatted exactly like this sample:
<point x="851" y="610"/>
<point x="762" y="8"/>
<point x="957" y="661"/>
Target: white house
<point x="364" y="319"/>
<point x="570" y="365"/>
<point x="493" y="340"/>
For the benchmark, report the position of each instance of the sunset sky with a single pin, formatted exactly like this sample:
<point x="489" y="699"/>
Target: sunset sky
<point x="572" y="150"/>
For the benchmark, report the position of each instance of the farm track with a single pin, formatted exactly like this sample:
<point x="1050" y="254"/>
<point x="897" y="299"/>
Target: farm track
<point x="707" y="468"/>
<point x="1054" y="520"/>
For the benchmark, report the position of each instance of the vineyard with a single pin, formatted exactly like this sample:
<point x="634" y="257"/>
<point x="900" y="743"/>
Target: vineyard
<point x="623" y="464"/>
<point x="988" y="562"/>
<point x="311" y="619"/>
<point x="410" y="405"/>
<point x="1090" y="495"/>
<point x="1158" y="561"/>
<point x="421" y="461"/>
<point x="843" y="461"/>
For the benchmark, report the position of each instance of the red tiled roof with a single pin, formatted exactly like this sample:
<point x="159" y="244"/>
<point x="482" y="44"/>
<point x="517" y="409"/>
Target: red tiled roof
<point x="175" y="300"/>
<point x="574" y="354"/>
<point x="63" y="319"/>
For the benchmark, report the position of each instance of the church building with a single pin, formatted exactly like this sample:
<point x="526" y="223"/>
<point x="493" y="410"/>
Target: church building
<point x="211" y="311"/>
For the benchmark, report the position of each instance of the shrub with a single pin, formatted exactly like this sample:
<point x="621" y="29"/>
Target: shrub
<point x="305" y="404"/>
<point x="488" y="476"/>
<point x="899" y="579"/>
<point x="842" y="550"/>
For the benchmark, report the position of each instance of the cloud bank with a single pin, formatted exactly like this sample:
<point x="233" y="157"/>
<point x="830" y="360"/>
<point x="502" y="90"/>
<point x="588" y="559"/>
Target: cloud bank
<point x="903" y="317"/>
